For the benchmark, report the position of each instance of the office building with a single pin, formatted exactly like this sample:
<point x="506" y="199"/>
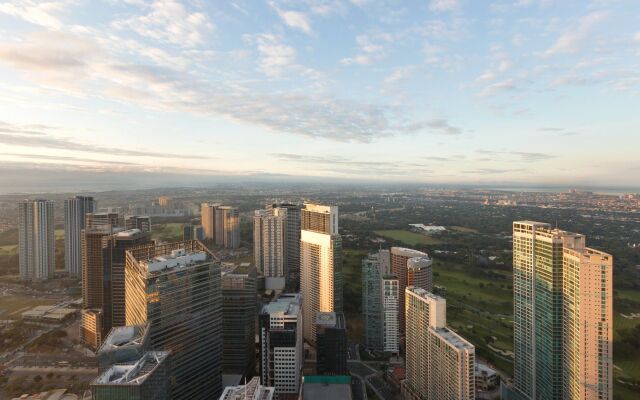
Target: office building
<point x="113" y="282"/>
<point x="331" y="344"/>
<point x="281" y="345"/>
<point x="97" y="220"/>
<point x="372" y="316"/>
<point x="562" y="315"/>
<point x="175" y="288"/>
<point x="390" y="313"/>
<point x="75" y="211"/>
<point x="165" y="201"/>
<point x="91" y="327"/>
<point x="320" y="264"/>
<point x="208" y="221"/>
<point x="239" y="311"/>
<point x="123" y="345"/>
<point x="251" y="390"/>
<point x="291" y="242"/>
<point x="143" y="223"/>
<point x="321" y="387"/>
<point x="36" y="240"/>
<point x="145" y="379"/>
<point x="415" y="273"/>
<point x="269" y="246"/>
<point x="227" y="223"/>
<point x="440" y="364"/>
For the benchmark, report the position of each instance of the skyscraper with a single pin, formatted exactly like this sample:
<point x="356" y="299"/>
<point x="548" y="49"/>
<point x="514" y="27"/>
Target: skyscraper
<point x="227" y="224"/>
<point x="415" y="273"/>
<point x="114" y="260"/>
<point x="269" y="246"/>
<point x="36" y="240"/>
<point x="320" y="264"/>
<point x="75" y="211"/>
<point x="291" y="243"/>
<point x="208" y="221"/>
<point x="281" y="345"/>
<point x="95" y="220"/>
<point x="239" y="311"/>
<point x="251" y="390"/>
<point x="175" y="288"/>
<point x="553" y="275"/>
<point x="372" y="302"/>
<point x="331" y="344"/>
<point x="140" y="222"/>
<point x="440" y="364"/>
<point x="390" y="313"/>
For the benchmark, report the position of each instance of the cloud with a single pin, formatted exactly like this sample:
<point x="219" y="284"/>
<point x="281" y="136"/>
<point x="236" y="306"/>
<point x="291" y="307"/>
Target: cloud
<point x="522" y="155"/>
<point x="444" y="5"/>
<point x="43" y="140"/>
<point x="296" y="19"/>
<point x="576" y="37"/>
<point x="400" y="74"/>
<point x="636" y="37"/>
<point x="169" y="21"/>
<point x="508" y="84"/>
<point x="276" y="57"/>
<point x="43" y="13"/>
<point x="443" y="126"/>
<point x="493" y="171"/>
<point x="372" y="48"/>
<point x="67" y="158"/>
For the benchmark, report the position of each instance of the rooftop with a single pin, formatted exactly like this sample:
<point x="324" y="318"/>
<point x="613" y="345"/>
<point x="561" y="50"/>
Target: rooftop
<point x="410" y="253"/>
<point x="330" y="319"/>
<point x="176" y="259"/>
<point x="132" y="374"/>
<point x="252" y="390"/>
<point x="287" y="304"/>
<point x="121" y="336"/>
<point x="336" y="387"/>
<point x="453" y="339"/>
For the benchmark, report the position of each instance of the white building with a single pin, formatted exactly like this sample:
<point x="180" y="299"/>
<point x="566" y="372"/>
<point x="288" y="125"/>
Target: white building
<point x="269" y="246"/>
<point x="251" y="390"/>
<point x="36" y="240"/>
<point x="75" y="210"/>
<point x="390" y="302"/>
<point x="440" y="364"/>
<point x="281" y="344"/>
<point x="320" y="264"/>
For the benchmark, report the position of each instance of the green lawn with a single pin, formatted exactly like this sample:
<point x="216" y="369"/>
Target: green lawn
<point x="462" y="229"/>
<point x="9" y="249"/>
<point x="168" y="232"/>
<point x="11" y="307"/>
<point x="633" y="295"/>
<point x="408" y="238"/>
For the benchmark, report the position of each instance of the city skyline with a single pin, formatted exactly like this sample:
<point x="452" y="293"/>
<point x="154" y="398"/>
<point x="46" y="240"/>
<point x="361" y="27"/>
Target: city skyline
<point x="440" y="91"/>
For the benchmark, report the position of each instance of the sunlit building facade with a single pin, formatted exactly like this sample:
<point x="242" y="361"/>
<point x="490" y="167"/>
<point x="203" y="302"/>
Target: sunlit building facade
<point x="320" y="264"/>
<point x="415" y="273"/>
<point x="36" y="240"/>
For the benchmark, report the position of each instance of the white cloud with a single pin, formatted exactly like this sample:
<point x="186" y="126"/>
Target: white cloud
<point x="276" y="57"/>
<point x="372" y="48"/>
<point x="296" y="19"/>
<point x="444" y="5"/>
<point x="169" y="21"/>
<point x="43" y="13"/>
<point x="400" y="74"/>
<point x="576" y="37"/>
<point x="637" y="37"/>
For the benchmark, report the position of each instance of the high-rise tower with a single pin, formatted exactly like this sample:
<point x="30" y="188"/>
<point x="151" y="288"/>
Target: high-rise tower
<point x="562" y="315"/>
<point x="269" y="246"/>
<point x="175" y="288"/>
<point x="440" y="363"/>
<point x="75" y="211"/>
<point x="36" y="240"/>
<point x="320" y="264"/>
<point x="412" y="268"/>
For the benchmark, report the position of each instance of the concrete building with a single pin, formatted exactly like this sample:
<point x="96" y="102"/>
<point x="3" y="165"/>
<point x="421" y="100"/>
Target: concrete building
<point x="114" y="259"/>
<point x="36" y="240"/>
<point x="227" y="224"/>
<point x="208" y="221"/>
<point x="269" y="246"/>
<point x="315" y="387"/>
<point x="165" y="201"/>
<point x="562" y="315"/>
<point x="415" y="273"/>
<point x="145" y="379"/>
<point x="252" y="390"/>
<point x="239" y="311"/>
<point x="175" y="288"/>
<point x="75" y="211"/>
<point x="281" y="345"/>
<point x="97" y="220"/>
<point x="390" y="293"/>
<point x="439" y="363"/>
<point x="587" y="308"/>
<point x="320" y="264"/>
<point x="331" y="344"/>
<point x="143" y="223"/>
<point x="91" y="327"/>
<point x="291" y="242"/>
<point x="487" y="379"/>
<point x="372" y="315"/>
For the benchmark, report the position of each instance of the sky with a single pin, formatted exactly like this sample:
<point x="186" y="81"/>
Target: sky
<point x="524" y="92"/>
